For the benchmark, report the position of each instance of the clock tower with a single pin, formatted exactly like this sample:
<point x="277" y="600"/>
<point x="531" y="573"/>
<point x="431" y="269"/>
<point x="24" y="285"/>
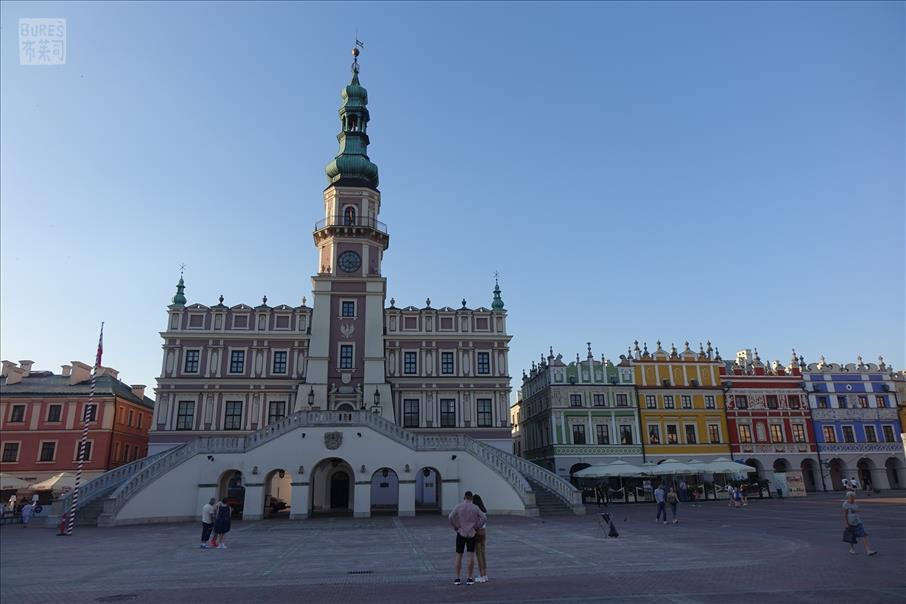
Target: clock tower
<point x="346" y="369"/>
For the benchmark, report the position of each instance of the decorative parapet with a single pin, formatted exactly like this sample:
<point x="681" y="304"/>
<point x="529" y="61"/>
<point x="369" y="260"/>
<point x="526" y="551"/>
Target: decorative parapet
<point x="613" y="450"/>
<point x="868" y="414"/>
<point x="777" y="448"/>
<point x="861" y="448"/>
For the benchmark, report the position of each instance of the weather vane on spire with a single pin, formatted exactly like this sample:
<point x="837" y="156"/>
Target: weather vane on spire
<point x="355" y="52"/>
<point x="182" y="268"/>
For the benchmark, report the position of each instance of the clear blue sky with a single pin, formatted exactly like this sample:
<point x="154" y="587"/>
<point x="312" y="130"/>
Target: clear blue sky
<point x="723" y="171"/>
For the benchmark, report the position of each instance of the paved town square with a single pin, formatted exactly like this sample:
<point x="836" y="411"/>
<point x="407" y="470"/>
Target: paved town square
<point x="785" y="550"/>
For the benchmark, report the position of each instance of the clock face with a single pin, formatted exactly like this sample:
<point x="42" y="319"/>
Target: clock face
<point x="349" y="262"/>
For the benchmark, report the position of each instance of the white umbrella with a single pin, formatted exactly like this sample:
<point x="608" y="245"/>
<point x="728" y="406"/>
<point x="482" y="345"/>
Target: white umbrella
<point x="722" y="465"/>
<point x="57" y="482"/>
<point x="617" y="468"/>
<point x="669" y="467"/>
<point x="8" y="482"/>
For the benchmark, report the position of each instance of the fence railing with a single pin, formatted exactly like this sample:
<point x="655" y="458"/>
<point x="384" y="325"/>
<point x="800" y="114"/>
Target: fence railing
<point x="352" y="221"/>
<point x="92" y="489"/>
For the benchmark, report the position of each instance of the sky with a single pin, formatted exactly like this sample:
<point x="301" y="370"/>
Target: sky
<point x="731" y="172"/>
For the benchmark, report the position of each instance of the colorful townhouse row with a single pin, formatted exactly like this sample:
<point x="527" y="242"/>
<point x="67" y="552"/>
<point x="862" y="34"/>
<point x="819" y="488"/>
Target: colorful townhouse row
<point x="828" y="421"/>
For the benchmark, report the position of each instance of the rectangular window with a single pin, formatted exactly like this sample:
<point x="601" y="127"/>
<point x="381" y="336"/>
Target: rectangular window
<point x="484" y="363"/>
<point x="742" y="401"/>
<point x="829" y="435"/>
<point x="279" y="361"/>
<point x="17" y="415"/>
<point x="91" y="413"/>
<point x="281" y="322"/>
<point x="888" y="434"/>
<point x="347" y="308"/>
<point x="10" y="452"/>
<point x="776" y="433"/>
<point x="651" y="401"/>
<point x="192" y="361"/>
<point x="54" y="412"/>
<point x="668" y="402"/>
<point x="410" y="363"/>
<point x="654" y="434"/>
<point x="691" y="438"/>
<point x="686" y="401"/>
<point x="578" y="434"/>
<point x="714" y="433"/>
<point x="196" y="321"/>
<point x="771" y="401"/>
<point x="672" y="434"/>
<point x="881" y="402"/>
<point x="575" y="400"/>
<point x="447" y="412"/>
<point x="841" y="401"/>
<point x="131" y="416"/>
<point x="625" y="435"/>
<point x="602" y="434"/>
<point x="745" y="433"/>
<point x="798" y="433"/>
<point x="48" y="450"/>
<point x="709" y="401"/>
<point x="185" y="415"/>
<point x="849" y="434"/>
<point x="822" y="402"/>
<point x="232" y="418"/>
<point x="240" y="321"/>
<point x="793" y="400"/>
<point x="446" y="363"/>
<point x="871" y="435"/>
<point x="599" y="400"/>
<point x="622" y="400"/>
<point x="863" y="401"/>
<point x="237" y="361"/>
<point x="345" y="356"/>
<point x="117" y="451"/>
<point x="484" y="413"/>
<point x="139" y="423"/>
<point x="276" y="410"/>
<point x="410" y="413"/>
<point x="87" y="456"/>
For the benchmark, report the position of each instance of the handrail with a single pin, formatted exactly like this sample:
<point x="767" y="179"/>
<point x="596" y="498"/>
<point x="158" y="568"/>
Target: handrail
<point x="511" y="468"/>
<point x="351" y="221"/>
<point x="101" y="484"/>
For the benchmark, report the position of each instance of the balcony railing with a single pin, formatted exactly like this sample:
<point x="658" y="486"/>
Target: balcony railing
<point x="352" y="221"/>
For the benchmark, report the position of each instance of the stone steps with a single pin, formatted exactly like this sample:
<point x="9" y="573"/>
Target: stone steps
<point x="547" y="502"/>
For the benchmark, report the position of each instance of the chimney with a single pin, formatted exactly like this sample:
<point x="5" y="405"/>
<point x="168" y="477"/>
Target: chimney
<point x="14" y="375"/>
<point x="80" y="373"/>
<point x="67" y="369"/>
<point x="26" y="366"/>
<point x="6" y="366"/>
<point x="138" y="390"/>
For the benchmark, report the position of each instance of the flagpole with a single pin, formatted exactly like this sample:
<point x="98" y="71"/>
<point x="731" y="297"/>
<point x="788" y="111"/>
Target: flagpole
<point x="86" y="419"/>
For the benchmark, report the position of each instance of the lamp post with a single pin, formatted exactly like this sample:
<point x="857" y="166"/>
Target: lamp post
<point x="376" y="407"/>
<point x="311" y="398"/>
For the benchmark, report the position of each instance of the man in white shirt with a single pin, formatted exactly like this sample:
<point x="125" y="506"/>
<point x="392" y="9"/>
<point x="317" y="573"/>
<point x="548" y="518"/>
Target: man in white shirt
<point x="845" y="484"/>
<point x="207" y="522"/>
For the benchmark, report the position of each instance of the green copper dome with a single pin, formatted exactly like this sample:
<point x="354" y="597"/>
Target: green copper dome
<point x="180" y="298"/>
<point x="497" y="303"/>
<point x="351" y="166"/>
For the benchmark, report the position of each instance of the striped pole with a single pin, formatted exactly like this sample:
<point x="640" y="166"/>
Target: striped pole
<point x="86" y="419"/>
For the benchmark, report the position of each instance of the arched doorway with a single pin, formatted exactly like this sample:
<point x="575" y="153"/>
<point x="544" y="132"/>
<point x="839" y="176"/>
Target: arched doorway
<point x="385" y="491"/>
<point x="809" y="468"/>
<point x="837" y="472"/>
<point x="230" y="486"/>
<point x="865" y="467"/>
<point x="332" y="487"/>
<point x="278" y="490"/>
<point x="427" y="490"/>
<point x="572" y="473"/>
<point x="894" y="468"/>
<point x="781" y="465"/>
<point x="759" y="469"/>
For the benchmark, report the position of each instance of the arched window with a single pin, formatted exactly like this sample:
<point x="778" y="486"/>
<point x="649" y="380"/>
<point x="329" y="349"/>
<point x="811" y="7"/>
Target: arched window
<point x="353" y="122"/>
<point x="349" y="215"/>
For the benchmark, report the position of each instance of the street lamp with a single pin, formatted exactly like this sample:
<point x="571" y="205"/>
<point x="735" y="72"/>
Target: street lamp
<point x="311" y="397"/>
<point x="376" y="407"/>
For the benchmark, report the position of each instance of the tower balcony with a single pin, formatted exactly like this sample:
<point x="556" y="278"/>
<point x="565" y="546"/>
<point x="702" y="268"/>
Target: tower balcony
<point x="344" y="225"/>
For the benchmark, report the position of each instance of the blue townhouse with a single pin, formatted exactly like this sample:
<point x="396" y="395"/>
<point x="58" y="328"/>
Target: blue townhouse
<point x="857" y="428"/>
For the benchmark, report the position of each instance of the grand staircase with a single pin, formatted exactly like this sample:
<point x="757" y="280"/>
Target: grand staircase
<point x="541" y="491"/>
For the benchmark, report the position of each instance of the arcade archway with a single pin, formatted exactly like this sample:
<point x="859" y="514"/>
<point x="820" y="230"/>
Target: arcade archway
<point x="385" y="491"/>
<point x="231" y="488"/>
<point x="809" y="474"/>
<point x="332" y="487"/>
<point x="427" y="490"/>
<point x="895" y="477"/>
<point x="278" y="491"/>
<point x="837" y="469"/>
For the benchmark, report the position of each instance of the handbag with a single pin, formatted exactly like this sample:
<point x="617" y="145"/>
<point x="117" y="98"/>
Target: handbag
<point x="849" y="535"/>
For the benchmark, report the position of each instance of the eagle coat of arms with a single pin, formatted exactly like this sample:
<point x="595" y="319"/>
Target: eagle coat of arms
<point x="333" y="440"/>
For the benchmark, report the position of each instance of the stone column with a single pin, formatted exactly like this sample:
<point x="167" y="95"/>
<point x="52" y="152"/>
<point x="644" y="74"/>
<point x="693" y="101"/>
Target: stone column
<point x="406" y="499"/>
<point x="298" y="502"/>
<point x="253" y="507"/>
<point x="361" y="499"/>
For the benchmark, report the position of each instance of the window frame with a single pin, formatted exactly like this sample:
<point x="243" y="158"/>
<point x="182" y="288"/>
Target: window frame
<point x="578" y="428"/>
<point x="90" y="450"/>
<point x="445" y="367"/>
<point x="229" y="419"/>
<point x="778" y="428"/>
<point x="676" y="433"/>
<point x="346" y="362"/>
<point x="409" y="414"/>
<point x="482" y="362"/>
<point x="90" y="413"/>
<point x="599" y="432"/>
<point x="41" y="446"/>
<point x="741" y="401"/>
<point x="829" y="430"/>
<point x="407" y="355"/>
<point x="651" y="401"/>
<point x="622" y="399"/>
<point x="275" y="417"/>
<point x="59" y="409"/>
<point x="623" y="429"/>
<point x="346" y="303"/>
<point x="852" y="432"/>
<point x="694" y="440"/>
<point x="285" y="361"/>
<point x="711" y="433"/>
<point x="745" y="433"/>
<point x="710" y="401"/>
<point x="181" y="417"/>
<point x="573" y="397"/>
<point x="772" y="401"/>
<point x="598" y="400"/>
<point x="669" y="402"/>
<point x="873" y="438"/>
<point x="484" y="418"/>
<point x="892" y="436"/>
<point x="233" y="361"/>
<point x="446" y="415"/>
<point x="686" y="401"/>
<point x="12" y="414"/>
<point x="799" y="434"/>
<point x="656" y="432"/>
<point x="3" y="457"/>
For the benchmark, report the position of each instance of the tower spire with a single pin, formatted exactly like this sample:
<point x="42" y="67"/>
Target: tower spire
<point x="497" y="304"/>
<point x="180" y="298"/>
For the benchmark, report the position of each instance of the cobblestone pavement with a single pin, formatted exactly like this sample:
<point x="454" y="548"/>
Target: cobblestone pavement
<point x="779" y="550"/>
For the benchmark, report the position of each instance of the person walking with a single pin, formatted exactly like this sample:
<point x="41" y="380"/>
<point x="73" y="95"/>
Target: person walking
<point x="222" y="514"/>
<point x="207" y="522"/>
<point x="867" y="483"/>
<point x="852" y="523"/>
<point x="11" y="504"/>
<point x="683" y="491"/>
<point x="845" y="482"/>
<point x="465" y="519"/>
<point x="672" y="500"/>
<point x="480" y="541"/>
<point x="28" y="510"/>
<point x="659" y="497"/>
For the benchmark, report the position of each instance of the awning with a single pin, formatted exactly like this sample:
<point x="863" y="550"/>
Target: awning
<point x="670" y="467"/>
<point x="722" y="465"/>
<point x="617" y="468"/>
<point x="58" y="482"/>
<point x="8" y="482"/>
